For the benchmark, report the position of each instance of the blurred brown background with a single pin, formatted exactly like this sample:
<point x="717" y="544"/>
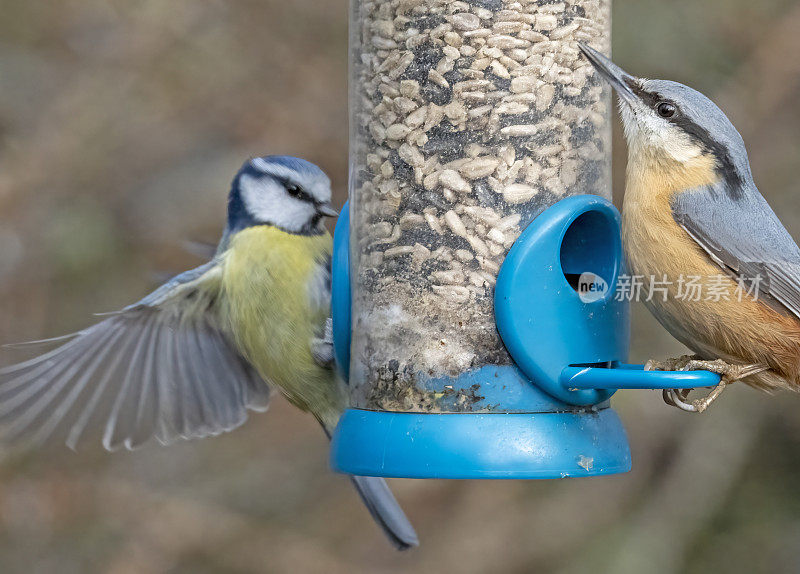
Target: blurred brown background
<point x="121" y="124"/>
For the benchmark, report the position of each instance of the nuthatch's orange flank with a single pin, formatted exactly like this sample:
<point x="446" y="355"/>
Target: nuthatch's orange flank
<point x="692" y="210"/>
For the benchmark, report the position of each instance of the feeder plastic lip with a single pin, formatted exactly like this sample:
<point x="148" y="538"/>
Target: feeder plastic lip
<point x="480" y="446"/>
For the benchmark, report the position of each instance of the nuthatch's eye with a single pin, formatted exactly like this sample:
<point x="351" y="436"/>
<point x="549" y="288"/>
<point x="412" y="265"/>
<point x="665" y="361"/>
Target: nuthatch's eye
<point x="666" y="110"/>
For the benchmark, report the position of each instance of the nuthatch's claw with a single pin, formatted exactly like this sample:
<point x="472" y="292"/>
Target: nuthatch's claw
<point x="677" y="398"/>
<point x="728" y="374"/>
<point x="702" y="404"/>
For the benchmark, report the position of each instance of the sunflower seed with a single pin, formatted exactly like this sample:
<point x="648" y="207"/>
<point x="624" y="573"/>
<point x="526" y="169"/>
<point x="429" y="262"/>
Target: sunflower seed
<point x="468" y="118"/>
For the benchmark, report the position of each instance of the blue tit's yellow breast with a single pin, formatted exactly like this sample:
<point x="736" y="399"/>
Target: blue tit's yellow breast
<point x="267" y="278"/>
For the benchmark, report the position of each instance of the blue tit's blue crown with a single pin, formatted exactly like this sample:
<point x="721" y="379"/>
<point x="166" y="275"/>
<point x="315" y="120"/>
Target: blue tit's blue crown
<point x="300" y="166"/>
<point x="278" y="190"/>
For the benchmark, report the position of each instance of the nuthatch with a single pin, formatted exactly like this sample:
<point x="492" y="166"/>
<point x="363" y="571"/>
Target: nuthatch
<point x="191" y="358"/>
<point x="693" y="218"/>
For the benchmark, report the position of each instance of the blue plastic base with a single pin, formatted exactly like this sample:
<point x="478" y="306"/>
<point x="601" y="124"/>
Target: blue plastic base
<point x="493" y="445"/>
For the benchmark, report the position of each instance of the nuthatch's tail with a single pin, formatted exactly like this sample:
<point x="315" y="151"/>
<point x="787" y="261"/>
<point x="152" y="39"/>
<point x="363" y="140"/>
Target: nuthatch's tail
<point x="386" y="511"/>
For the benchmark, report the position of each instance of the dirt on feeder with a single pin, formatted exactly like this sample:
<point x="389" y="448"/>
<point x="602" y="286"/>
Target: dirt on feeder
<point x="397" y="390"/>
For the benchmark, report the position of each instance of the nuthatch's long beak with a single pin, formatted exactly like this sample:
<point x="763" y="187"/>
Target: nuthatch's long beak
<point x="327" y="210"/>
<point x="619" y="79"/>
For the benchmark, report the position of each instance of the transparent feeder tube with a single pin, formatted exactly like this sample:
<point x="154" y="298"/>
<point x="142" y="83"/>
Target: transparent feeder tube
<point x="467" y="120"/>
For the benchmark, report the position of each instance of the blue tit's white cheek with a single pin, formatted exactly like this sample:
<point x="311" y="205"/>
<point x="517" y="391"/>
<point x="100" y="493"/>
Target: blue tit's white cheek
<point x="267" y="201"/>
<point x="316" y="184"/>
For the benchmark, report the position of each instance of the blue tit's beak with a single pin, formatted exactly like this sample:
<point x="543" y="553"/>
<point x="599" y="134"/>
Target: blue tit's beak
<point x="327" y="210"/>
<point x="619" y="79"/>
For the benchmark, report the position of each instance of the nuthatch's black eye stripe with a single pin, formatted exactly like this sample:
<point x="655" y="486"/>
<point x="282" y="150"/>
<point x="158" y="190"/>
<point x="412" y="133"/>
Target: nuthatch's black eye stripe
<point x="663" y="106"/>
<point x="698" y="133"/>
<point x="650" y="99"/>
<point x="725" y="164"/>
<point x="653" y="100"/>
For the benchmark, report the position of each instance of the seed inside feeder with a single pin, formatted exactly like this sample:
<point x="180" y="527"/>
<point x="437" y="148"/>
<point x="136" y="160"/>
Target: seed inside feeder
<point x="468" y="120"/>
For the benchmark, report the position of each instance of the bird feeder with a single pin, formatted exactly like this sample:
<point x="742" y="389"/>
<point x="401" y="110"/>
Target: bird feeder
<point x="475" y="318"/>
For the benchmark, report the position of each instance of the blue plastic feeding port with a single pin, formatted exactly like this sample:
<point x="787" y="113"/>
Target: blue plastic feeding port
<point x="340" y="292"/>
<point x="558" y="279"/>
<point x="546" y="416"/>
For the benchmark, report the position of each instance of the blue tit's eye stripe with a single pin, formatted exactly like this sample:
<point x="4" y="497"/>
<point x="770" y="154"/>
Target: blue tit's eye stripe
<point x="281" y="172"/>
<point x="295" y="190"/>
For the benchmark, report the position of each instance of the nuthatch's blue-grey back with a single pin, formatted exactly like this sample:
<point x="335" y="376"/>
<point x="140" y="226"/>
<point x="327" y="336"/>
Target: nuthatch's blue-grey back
<point x="724" y="273"/>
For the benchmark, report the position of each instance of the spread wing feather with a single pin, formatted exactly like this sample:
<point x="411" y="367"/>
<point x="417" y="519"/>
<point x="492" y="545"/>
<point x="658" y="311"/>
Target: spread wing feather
<point x="742" y="234"/>
<point x="162" y="368"/>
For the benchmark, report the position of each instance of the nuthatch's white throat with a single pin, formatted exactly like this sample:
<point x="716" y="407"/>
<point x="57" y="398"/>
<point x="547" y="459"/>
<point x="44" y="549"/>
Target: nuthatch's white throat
<point x="692" y="217"/>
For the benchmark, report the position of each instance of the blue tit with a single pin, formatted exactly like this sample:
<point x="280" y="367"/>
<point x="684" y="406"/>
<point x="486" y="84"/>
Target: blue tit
<point x="190" y="359"/>
<point x="693" y="212"/>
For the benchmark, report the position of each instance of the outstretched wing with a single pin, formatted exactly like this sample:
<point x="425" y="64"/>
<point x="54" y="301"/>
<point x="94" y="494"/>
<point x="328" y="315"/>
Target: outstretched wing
<point x="161" y="368"/>
<point x="742" y="234"/>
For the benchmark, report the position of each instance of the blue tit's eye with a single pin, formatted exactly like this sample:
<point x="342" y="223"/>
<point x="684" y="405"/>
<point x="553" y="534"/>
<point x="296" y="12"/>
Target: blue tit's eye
<point x="297" y="192"/>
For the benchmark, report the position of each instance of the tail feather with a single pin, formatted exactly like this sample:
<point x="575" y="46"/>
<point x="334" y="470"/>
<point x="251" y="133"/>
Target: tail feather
<point x="379" y="500"/>
<point x="383" y="507"/>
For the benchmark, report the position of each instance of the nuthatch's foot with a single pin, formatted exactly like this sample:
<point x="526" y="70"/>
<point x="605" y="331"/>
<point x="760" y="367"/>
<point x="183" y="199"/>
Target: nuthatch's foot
<point x="677" y="398"/>
<point x="728" y="374"/>
<point x="675" y="364"/>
